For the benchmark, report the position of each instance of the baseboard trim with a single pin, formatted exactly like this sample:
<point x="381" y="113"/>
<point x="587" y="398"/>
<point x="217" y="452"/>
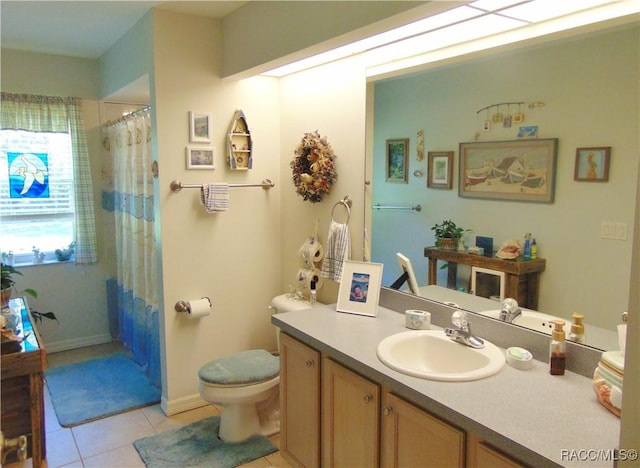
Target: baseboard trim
<point x="66" y="345"/>
<point x="180" y="405"/>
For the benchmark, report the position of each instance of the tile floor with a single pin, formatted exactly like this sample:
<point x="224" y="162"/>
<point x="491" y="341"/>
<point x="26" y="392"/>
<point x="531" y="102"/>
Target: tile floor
<point x="107" y="443"/>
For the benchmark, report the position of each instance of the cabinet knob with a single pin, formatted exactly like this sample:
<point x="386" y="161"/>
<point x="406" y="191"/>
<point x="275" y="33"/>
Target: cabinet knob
<point x="367" y="398"/>
<point x="387" y="410"/>
<point x="309" y="363"/>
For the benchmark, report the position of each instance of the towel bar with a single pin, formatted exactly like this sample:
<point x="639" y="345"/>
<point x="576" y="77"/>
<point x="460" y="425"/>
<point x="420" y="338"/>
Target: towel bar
<point x="176" y="185"/>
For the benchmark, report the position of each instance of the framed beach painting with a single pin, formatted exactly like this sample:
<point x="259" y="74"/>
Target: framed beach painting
<point x="397" y="160"/>
<point x="199" y="127"/>
<point x="201" y="157"/>
<point x="518" y="170"/>
<point x="360" y="288"/>
<point x="592" y="164"/>
<point x="440" y="169"/>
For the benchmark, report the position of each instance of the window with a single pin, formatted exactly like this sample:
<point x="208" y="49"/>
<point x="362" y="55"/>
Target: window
<point x="37" y="208"/>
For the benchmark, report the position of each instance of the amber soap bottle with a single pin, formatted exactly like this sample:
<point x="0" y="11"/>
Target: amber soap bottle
<point x="557" y="349"/>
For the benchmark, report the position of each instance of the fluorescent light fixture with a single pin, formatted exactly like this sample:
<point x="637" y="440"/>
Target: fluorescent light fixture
<point x="459" y="25"/>
<point x="417" y="27"/>
<point x="445" y="37"/>
<point x="541" y="10"/>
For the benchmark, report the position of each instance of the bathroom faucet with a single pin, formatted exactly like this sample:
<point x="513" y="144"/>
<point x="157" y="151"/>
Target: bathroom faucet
<point x="509" y="311"/>
<point x="462" y="331"/>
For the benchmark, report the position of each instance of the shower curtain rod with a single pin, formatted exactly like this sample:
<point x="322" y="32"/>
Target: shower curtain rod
<point x="176" y="185"/>
<point x="127" y="116"/>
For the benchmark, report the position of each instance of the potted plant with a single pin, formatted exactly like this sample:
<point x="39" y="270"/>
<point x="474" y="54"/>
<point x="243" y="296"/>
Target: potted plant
<point x="447" y="234"/>
<point x="8" y="281"/>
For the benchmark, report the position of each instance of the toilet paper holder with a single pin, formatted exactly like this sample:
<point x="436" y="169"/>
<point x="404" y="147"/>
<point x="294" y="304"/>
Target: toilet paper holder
<point x="183" y="306"/>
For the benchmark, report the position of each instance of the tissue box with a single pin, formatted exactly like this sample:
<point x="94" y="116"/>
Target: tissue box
<point x="475" y="250"/>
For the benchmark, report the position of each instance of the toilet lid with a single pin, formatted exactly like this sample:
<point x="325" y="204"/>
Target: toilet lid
<point x="245" y="367"/>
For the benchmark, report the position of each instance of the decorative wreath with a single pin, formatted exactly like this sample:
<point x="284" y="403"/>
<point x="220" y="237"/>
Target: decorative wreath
<point x="313" y="167"/>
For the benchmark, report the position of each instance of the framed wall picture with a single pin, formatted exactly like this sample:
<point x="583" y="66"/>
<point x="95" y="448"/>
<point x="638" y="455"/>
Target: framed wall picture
<point x="397" y="160"/>
<point x="519" y="170"/>
<point x="592" y="164"/>
<point x="199" y="127"/>
<point x="440" y="169"/>
<point x="201" y="157"/>
<point x="360" y="288"/>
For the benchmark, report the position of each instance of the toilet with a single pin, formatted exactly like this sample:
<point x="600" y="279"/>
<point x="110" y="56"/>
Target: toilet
<point x="246" y="384"/>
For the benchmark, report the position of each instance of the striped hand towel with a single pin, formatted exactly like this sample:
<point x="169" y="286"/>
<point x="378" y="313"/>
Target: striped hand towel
<point x="338" y="250"/>
<point x="215" y="197"/>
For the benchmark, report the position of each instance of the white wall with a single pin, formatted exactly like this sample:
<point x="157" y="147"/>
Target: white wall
<point x="232" y="257"/>
<point x="589" y="85"/>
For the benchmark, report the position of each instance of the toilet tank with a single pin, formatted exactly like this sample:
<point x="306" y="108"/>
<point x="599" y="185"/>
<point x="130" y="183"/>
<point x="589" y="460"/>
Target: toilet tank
<point x="284" y="303"/>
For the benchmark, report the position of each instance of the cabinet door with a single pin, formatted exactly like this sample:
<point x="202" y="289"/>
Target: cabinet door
<point x="350" y="418"/>
<point x="299" y="402"/>
<point x="481" y="455"/>
<point x="412" y="437"/>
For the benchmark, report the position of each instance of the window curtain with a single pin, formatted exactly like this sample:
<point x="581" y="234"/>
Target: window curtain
<point x="60" y="115"/>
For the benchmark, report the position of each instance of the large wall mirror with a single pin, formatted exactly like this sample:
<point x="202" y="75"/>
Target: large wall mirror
<point x="581" y="89"/>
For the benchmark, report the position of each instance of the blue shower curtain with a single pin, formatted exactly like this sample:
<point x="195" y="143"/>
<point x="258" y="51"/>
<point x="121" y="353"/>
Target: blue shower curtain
<point x="128" y="197"/>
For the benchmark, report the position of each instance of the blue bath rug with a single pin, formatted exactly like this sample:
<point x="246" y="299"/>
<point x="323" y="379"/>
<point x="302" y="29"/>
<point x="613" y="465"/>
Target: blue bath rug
<point x="197" y="444"/>
<point x="98" y="388"/>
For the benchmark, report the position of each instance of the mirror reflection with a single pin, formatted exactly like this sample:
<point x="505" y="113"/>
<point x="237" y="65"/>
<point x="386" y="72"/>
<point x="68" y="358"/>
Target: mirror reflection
<point x="581" y="90"/>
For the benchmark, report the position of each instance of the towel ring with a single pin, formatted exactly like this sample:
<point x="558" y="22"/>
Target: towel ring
<point x="346" y="202"/>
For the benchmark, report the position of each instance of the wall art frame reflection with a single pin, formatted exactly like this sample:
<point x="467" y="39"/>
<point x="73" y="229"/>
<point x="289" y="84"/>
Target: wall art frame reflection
<point x="200" y="127"/>
<point x="201" y="157"/>
<point x="592" y="164"/>
<point x="517" y="170"/>
<point x="397" y="160"/>
<point x="360" y="288"/>
<point x="440" y="170"/>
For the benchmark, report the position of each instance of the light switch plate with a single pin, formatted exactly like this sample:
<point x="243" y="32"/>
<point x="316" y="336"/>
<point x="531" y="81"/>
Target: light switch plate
<point x="613" y="230"/>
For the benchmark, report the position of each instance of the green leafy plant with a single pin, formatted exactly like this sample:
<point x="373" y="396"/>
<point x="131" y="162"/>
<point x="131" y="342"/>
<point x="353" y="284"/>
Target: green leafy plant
<point x="448" y="229"/>
<point x="8" y="279"/>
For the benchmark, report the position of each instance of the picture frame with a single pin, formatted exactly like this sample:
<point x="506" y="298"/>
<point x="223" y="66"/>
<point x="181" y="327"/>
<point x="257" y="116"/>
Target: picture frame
<point x="201" y="157"/>
<point x="516" y="170"/>
<point x="199" y="127"/>
<point x="397" y="160"/>
<point x="360" y="288"/>
<point x="592" y="164"/>
<point x="440" y="170"/>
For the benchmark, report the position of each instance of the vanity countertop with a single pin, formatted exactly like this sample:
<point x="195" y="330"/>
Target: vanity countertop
<point x="537" y="418"/>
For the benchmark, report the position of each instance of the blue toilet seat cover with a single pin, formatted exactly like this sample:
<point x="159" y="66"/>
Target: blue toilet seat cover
<point x="255" y="365"/>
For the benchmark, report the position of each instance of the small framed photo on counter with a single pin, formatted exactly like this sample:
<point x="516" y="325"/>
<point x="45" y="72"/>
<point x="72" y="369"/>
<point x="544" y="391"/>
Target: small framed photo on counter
<point x="360" y="288"/>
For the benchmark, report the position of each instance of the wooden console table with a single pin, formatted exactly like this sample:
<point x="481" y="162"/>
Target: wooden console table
<point x="522" y="277"/>
<point x="22" y="386"/>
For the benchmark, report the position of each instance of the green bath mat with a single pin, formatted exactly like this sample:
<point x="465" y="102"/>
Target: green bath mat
<point x="98" y="388"/>
<point x="197" y="444"/>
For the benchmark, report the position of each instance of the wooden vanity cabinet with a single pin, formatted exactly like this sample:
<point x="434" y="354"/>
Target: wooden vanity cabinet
<point x="413" y="437"/>
<point x="350" y="409"/>
<point x="299" y="403"/>
<point x="482" y="455"/>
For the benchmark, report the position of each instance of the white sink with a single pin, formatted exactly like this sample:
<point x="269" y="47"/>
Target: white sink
<point x="533" y="320"/>
<point x="430" y="354"/>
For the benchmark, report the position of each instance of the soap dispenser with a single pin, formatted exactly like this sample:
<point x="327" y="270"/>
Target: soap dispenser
<point x="558" y="349"/>
<point x="577" y="328"/>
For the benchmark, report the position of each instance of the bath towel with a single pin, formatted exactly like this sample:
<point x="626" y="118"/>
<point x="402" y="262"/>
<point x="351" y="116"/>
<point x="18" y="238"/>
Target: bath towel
<point x="338" y="250"/>
<point x="215" y="197"/>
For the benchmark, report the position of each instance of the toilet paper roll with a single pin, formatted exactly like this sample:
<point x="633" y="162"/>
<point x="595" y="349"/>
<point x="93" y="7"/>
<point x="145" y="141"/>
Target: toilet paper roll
<point x="310" y="252"/>
<point x="198" y="308"/>
<point x="306" y="275"/>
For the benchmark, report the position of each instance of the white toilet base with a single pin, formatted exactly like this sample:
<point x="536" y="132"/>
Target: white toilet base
<point x="238" y="422"/>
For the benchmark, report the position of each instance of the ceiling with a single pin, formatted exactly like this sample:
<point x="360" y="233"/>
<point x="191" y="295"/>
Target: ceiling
<point x="86" y="29"/>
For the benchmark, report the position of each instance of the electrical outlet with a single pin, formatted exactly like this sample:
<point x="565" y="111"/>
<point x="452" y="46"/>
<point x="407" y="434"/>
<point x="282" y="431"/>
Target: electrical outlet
<point x="613" y="230"/>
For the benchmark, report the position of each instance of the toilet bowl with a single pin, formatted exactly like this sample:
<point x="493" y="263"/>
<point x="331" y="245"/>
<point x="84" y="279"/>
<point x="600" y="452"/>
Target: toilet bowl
<point x="246" y="385"/>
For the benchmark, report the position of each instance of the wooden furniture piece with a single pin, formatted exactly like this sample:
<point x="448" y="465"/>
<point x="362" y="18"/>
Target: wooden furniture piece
<point x="522" y="277"/>
<point x="299" y="403"/>
<point x="362" y="422"/>
<point x="22" y="386"/>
